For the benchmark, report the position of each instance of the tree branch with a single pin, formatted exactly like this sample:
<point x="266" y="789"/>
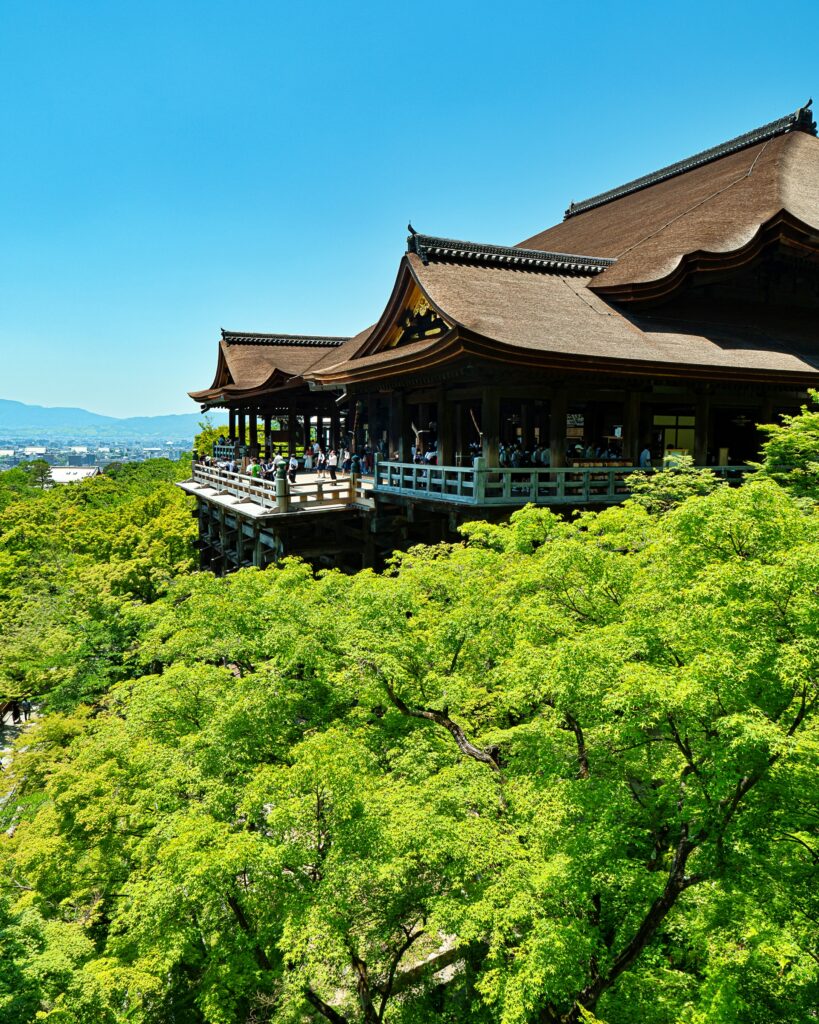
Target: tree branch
<point x="440" y="718"/>
<point x="261" y="957"/>
<point x="676" y="883"/>
<point x="362" y="979"/>
<point x="582" y="755"/>
<point x="324" y="1008"/>
<point x="410" y="937"/>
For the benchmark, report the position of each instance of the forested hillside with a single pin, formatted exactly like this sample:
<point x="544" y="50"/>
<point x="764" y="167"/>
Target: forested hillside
<point x="562" y="771"/>
<point x="74" y="560"/>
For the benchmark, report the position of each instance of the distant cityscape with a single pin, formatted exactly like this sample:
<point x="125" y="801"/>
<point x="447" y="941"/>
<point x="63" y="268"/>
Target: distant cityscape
<point x="77" y="438"/>
<point x="61" y="453"/>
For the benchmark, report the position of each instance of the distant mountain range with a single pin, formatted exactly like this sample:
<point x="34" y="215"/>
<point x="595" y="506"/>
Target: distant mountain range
<point x="37" y="421"/>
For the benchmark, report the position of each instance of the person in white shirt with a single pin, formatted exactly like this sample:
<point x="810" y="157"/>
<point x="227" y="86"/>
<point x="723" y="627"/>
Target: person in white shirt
<point x="332" y="463"/>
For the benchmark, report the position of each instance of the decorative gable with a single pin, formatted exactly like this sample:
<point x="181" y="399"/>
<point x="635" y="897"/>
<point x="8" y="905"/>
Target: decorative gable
<point x="417" y="322"/>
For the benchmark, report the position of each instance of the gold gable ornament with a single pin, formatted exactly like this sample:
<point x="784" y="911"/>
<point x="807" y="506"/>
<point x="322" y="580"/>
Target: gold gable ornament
<point x="417" y="322"/>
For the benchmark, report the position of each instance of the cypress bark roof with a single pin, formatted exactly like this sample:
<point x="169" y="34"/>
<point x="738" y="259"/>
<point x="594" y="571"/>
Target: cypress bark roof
<point x="539" y="319"/>
<point x="249" y="361"/>
<point x="800" y="120"/>
<point x="716" y="207"/>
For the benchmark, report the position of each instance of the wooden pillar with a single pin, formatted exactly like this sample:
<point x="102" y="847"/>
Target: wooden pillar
<point x="445" y="453"/>
<point x="258" y="554"/>
<point x="268" y="446"/>
<point x="632" y="442"/>
<point x="702" y="429"/>
<point x="462" y="432"/>
<point x="395" y="431"/>
<point x="254" y="433"/>
<point x="559" y="406"/>
<point x="335" y="427"/>
<point x="242" y="428"/>
<point x="232" y="424"/>
<point x="291" y="429"/>
<point x="490" y="425"/>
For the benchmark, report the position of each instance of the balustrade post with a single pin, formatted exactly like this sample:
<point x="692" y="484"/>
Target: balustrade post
<point x="376" y="467"/>
<point x="479" y="480"/>
<point x="282" y="497"/>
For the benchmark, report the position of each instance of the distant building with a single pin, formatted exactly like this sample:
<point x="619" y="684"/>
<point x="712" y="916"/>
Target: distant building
<point x="73" y="474"/>
<point x="34" y="450"/>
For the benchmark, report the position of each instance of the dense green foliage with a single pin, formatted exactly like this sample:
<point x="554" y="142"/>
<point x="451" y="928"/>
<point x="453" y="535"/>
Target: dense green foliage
<point x="74" y="561"/>
<point x="559" y="772"/>
<point x="679" y="479"/>
<point x="791" y="451"/>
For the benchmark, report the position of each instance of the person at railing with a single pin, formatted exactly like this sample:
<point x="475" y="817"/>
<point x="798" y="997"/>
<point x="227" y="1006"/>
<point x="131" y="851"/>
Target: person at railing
<point x="321" y="464"/>
<point x="232" y="466"/>
<point x="278" y="461"/>
<point x="645" y="458"/>
<point x="308" y="459"/>
<point x="332" y="463"/>
<point x="221" y="439"/>
<point x="254" y="469"/>
<point x="346" y="462"/>
<point x="292" y="468"/>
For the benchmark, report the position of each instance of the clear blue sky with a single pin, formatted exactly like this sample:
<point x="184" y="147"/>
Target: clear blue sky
<point x="172" y="168"/>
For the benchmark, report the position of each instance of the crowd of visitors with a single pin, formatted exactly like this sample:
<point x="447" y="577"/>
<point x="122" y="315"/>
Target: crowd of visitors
<point x="332" y="463"/>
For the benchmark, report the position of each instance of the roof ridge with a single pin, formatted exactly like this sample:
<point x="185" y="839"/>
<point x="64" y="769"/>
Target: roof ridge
<point x="800" y="120"/>
<point x="300" y="340"/>
<point x="427" y="246"/>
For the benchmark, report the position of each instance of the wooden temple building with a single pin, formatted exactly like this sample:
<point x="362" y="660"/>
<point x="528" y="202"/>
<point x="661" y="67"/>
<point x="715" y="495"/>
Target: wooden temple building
<point x="674" y="312"/>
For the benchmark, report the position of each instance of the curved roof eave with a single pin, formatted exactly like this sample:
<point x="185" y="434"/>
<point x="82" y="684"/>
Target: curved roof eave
<point x="780" y="225"/>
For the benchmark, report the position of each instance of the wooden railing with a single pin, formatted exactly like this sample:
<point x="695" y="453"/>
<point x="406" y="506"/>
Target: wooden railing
<point x="227" y="451"/>
<point x="446" y="483"/>
<point x="280" y="495"/>
<point x="481" y="485"/>
<point x="463" y="485"/>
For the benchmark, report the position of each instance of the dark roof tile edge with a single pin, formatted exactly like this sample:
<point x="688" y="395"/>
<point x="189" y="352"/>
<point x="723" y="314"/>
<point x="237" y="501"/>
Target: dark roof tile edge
<point x="296" y="340"/>
<point x="801" y="120"/>
<point x="430" y="246"/>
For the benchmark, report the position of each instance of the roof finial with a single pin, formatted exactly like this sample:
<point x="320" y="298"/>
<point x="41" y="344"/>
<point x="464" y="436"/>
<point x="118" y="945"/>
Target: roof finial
<point x="411" y="229"/>
<point x="803" y="119"/>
